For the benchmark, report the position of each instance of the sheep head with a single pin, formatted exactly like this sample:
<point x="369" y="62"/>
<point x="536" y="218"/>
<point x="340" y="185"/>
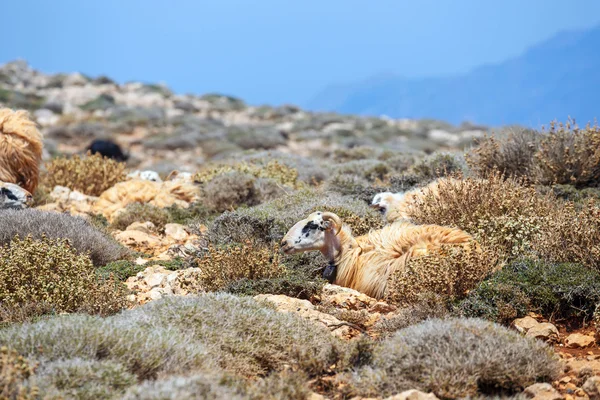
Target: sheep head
<point x="310" y="233"/>
<point x="14" y="196"/>
<point x="382" y="201"/>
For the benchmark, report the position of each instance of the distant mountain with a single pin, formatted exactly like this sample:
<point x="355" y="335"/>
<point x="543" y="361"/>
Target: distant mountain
<point x="551" y="81"/>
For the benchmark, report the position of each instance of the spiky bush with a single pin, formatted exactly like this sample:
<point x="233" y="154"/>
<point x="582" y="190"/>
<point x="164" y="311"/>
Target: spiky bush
<point x="502" y="214"/>
<point x="561" y="291"/>
<point x="437" y="165"/>
<point x="273" y="169"/>
<point x="183" y="335"/>
<point x="220" y="266"/>
<point x="455" y="358"/>
<point x="570" y="155"/>
<point x="139" y="212"/>
<point x="82" y="236"/>
<point x="227" y="191"/>
<point x="48" y="276"/>
<point x="15" y="371"/>
<point x="90" y="175"/>
<point x="450" y="271"/>
<point x="511" y="153"/>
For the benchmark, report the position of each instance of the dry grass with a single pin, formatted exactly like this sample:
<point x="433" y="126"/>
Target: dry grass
<point x="224" y="265"/>
<point x="48" y="276"/>
<point x="90" y="175"/>
<point x="14" y="371"/>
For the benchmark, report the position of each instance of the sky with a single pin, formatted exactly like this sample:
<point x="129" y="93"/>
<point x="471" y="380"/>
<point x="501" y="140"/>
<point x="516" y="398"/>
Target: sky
<point x="277" y="51"/>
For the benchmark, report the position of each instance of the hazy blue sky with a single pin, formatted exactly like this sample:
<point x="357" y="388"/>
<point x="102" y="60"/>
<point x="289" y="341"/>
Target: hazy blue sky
<point x="277" y="51"/>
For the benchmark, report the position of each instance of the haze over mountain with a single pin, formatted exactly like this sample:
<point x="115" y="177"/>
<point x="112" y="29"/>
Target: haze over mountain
<point x="555" y="79"/>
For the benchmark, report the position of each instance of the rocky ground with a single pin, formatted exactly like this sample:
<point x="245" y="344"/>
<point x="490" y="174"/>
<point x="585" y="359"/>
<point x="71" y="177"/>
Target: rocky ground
<point x="166" y="132"/>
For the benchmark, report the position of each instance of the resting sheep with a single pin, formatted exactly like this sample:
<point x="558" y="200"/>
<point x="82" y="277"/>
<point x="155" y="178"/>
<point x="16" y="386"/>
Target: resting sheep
<point x="21" y="146"/>
<point x="366" y="262"/>
<point x="396" y="206"/>
<point x="14" y="196"/>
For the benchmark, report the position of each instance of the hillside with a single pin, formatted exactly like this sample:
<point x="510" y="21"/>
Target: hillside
<point x="552" y="80"/>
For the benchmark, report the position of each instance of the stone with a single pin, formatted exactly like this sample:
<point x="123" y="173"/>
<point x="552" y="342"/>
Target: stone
<point x="176" y="232"/>
<point x="544" y="331"/>
<point x="525" y="324"/>
<point x="306" y="309"/>
<point x="542" y="391"/>
<point x="413" y="395"/>
<point x="138" y="239"/>
<point x="592" y="387"/>
<point x="155" y="279"/>
<point x="577" y="340"/>
<point x="146" y="227"/>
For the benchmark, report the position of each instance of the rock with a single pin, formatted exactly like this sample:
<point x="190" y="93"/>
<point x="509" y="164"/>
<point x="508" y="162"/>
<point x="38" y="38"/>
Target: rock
<point x="306" y="309"/>
<point x="525" y="324"/>
<point x="156" y="282"/>
<point x="544" y="331"/>
<point x="146" y="227"/>
<point x="176" y="232"/>
<point x="412" y="395"/>
<point x="138" y="239"/>
<point x="577" y="340"/>
<point x="45" y="117"/>
<point x="542" y="391"/>
<point x="592" y="387"/>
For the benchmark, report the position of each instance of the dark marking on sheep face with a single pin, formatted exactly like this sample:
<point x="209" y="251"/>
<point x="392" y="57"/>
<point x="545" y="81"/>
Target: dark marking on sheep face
<point x="9" y="195"/>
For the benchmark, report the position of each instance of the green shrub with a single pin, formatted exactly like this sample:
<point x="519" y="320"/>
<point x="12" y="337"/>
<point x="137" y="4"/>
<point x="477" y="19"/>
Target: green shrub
<point x="82" y="236"/>
<point x="258" y="137"/>
<point x="90" y="175"/>
<point x="560" y="291"/>
<point x="138" y="212"/>
<point x="121" y="269"/>
<point x="195" y="212"/>
<point x="437" y="165"/>
<point x="48" y="276"/>
<point x="455" y="358"/>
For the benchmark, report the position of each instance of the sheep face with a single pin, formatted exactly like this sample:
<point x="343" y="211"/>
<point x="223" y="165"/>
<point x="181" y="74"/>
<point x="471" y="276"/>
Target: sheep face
<point x="14" y="196"/>
<point x="307" y="235"/>
<point x="381" y="202"/>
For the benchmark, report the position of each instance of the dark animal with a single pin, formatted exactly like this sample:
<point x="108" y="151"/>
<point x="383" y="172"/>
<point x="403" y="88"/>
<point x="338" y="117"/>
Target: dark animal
<point x="108" y="148"/>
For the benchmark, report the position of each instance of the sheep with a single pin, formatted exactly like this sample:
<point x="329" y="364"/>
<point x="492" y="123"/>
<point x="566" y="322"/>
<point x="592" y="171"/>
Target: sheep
<point x="396" y="206"/>
<point x="21" y="146"/>
<point x="14" y="196"/>
<point x="108" y="148"/>
<point x="366" y="262"/>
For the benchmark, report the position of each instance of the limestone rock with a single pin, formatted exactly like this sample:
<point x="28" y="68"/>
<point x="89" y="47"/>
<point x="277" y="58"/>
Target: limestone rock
<point x="138" y="239"/>
<point x="413" y="395"/>
<point x="306" y="309"/>
<point x="156" y="282"/>
<point x="146" y="227"/>
<point x="544" y="331"/>
<point x="577" y="340"/>
<point x="176" y="232"/>
<point x="592" y="387"/>
<point x="542" y="391"/>
<point x="525" y="324"/>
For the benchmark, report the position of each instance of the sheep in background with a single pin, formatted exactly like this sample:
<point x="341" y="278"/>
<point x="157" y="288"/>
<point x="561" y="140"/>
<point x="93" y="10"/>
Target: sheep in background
<point x="21" y="145"/>
<point x="366" y="262"/>
<point x="396" y="206"/>
<point x="146" y="175"/>
<point x="108" y="148"/>
<point x="14" y="196"/>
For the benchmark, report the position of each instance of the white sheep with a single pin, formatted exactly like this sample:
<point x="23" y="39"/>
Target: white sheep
<point x="14" y="196"/>
<point x="366" y="262"/>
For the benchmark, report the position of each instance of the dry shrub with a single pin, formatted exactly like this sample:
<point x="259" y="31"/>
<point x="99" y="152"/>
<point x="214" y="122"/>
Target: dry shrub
<point x="502" y="214"/>
<point x="275" y="170"/>
<point x="90" y="175"/>
<point x="82" y="235"/>
<point x="570" y="155"/>
<point x="454" y="358"/>
<point x="227" y="191"/>
<point x="140" y="212"/>
<point x="512" y="155"/>
<point x="227" y="264"/>
<point x="571" y="234"/>
<point x="451" y="271"/>
<point x="436" y="166"/>
<point x="48" y="276"/>
<point x="14" y="371"/>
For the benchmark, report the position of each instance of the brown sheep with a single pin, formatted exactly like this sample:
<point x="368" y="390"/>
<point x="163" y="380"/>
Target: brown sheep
<point x="366" y="262"/>
<point x="21" y="145"/>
